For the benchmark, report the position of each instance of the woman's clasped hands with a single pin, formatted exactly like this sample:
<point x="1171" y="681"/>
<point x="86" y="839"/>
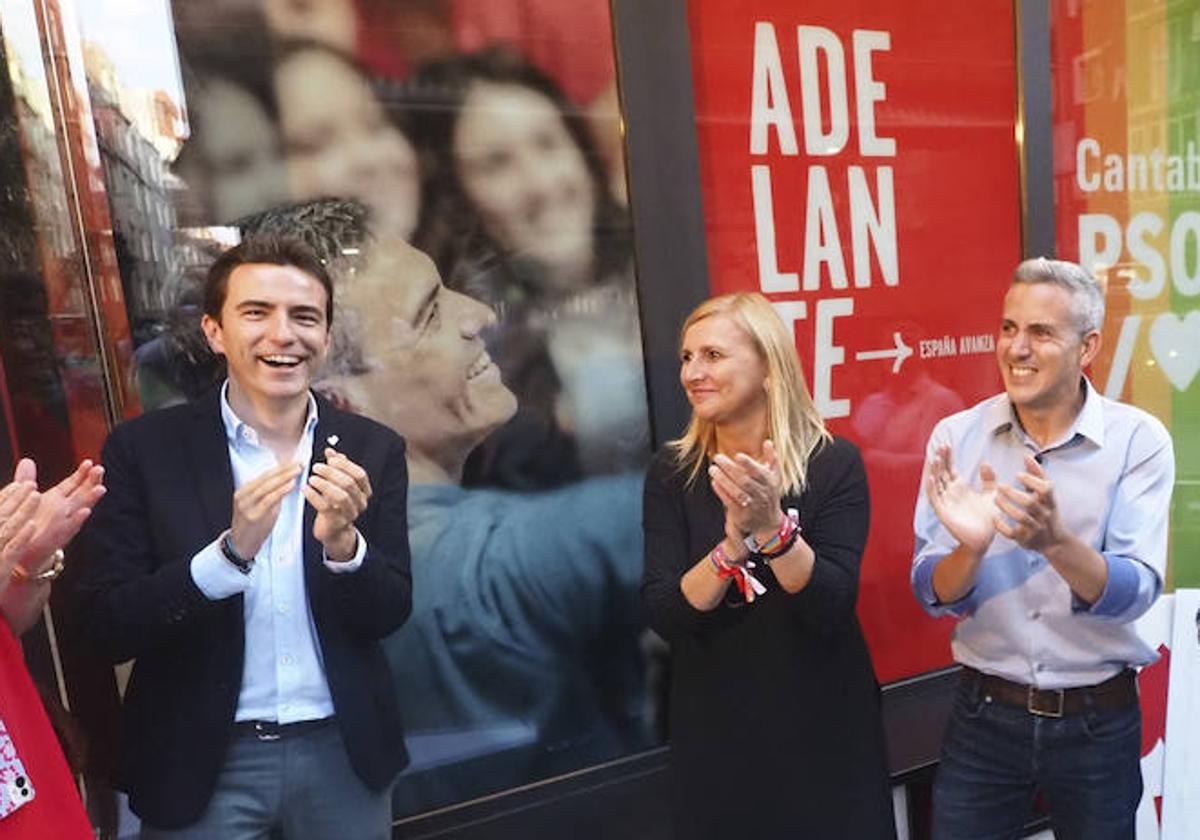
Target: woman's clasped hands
<point x="751" y="491"/>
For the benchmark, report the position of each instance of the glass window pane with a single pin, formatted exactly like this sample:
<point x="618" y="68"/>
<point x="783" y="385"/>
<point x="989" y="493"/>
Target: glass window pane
<point x="488" y="136"/>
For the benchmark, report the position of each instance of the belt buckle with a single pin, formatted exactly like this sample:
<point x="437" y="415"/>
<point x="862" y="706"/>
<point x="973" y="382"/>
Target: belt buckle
<point x="262" y="733"/>
<point x="1032" y="692"/>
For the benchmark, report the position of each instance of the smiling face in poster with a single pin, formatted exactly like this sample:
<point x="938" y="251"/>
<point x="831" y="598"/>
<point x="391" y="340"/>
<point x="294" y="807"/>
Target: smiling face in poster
<point x="233" y="155"/>
<point x="527" y="177"/>
<point x="339" y="141"/>
<point x="427" y="372"/>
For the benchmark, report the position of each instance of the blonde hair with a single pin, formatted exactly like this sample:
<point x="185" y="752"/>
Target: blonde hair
<point x="793" y="423"/>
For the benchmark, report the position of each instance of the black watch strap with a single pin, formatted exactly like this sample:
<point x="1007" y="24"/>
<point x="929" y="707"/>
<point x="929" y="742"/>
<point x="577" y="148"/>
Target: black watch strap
<point x="243" y="565"/>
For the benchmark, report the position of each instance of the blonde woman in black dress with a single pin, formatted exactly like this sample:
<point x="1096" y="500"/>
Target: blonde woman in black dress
<point x="755" y="522"/>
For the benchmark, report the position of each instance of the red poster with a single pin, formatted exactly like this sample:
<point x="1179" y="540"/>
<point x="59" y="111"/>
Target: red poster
<point x="859" y="165"/>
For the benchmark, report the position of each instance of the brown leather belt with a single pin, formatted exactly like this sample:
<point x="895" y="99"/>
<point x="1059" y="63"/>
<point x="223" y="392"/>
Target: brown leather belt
<point x="269" y="730"/>
<point x="1112" y="695"/>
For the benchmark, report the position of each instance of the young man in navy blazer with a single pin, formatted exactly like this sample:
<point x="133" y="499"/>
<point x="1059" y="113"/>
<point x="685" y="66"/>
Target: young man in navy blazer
<point x="250" y="554"/>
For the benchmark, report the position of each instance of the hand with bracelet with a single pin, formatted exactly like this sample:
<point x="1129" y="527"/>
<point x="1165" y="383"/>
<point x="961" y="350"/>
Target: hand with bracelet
<point x="256" y="506"/>
<point x="730" y="561"/>
<point x="751" y="491"/>
<point x="34" y="528"/>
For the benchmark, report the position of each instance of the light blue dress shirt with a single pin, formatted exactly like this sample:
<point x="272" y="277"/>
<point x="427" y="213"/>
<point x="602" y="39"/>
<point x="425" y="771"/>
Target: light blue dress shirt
<point x="1113" y="472"/>
<point x="283" y="676"/>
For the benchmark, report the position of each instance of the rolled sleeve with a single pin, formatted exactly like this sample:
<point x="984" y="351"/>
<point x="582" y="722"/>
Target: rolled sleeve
<point x="215" y="576"/>
<point x="922" y="587"/>
<point x="1135" y="538"/>
<point x="351" y="565"/>
<point x="1129" y="591"/>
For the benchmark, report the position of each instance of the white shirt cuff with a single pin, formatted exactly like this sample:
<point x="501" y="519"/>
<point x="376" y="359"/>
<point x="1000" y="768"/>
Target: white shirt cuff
<point x="353" y="563"/>
<point x="215" y="576"/>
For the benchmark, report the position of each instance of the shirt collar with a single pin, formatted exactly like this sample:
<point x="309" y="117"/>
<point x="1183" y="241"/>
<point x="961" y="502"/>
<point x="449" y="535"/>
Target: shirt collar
<point x="1001" y="415"/>
<point x="237" y="429"/>
<point x="1090" y="422"/>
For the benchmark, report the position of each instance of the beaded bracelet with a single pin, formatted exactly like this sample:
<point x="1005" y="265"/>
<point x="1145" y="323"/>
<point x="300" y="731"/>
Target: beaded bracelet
<point x="748" y="585"/>
<point x="781" y="541"/>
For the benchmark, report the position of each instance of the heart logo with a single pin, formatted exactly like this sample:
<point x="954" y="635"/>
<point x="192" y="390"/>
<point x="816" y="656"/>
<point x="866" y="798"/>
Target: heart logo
<point x="1175" y="342"/>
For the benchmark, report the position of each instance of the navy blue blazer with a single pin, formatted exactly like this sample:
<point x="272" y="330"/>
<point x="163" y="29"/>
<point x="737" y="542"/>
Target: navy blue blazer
<point x="170" y="493"/>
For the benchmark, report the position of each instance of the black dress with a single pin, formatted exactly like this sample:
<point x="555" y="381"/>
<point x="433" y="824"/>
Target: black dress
<point x="775" y="728"/>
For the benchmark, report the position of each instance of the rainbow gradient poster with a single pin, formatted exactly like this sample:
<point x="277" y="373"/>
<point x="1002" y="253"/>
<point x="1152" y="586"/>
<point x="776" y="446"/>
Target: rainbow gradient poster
<point x="1126" y="76"/>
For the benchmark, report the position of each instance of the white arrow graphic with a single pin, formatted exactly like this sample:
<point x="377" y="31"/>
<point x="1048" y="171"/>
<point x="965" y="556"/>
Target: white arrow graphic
<point x="900" y="353"/>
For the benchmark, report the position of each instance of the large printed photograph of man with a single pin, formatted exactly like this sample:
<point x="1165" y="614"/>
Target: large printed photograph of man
<point x="522" y="656"/>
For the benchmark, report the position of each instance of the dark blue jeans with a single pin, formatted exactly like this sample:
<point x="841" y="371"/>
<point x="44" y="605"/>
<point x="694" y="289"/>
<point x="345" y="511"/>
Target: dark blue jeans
<point x="996" y="757"/>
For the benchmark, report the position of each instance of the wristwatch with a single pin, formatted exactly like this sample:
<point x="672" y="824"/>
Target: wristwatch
<point x="243" y="565"/>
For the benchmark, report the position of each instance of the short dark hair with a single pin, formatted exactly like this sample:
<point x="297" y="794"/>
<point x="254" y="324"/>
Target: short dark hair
<point x="271" y="249"/>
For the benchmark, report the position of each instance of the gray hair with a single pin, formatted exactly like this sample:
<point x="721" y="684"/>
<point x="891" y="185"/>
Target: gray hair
<point x="338" y="230"/>
<point x="1087" y="295"/>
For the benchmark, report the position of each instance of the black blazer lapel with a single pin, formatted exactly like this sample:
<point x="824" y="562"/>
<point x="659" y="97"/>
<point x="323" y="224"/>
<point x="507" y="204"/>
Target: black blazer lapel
<point x="208" y="455"/>
<point x="328" y="424"/>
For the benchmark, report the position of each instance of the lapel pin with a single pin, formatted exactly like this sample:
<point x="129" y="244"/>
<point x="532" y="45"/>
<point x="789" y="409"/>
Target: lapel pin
<point x="332" y="440"/>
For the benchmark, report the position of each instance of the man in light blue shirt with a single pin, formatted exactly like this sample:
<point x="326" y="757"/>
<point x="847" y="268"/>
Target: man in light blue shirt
<point x="1042" y="526"/>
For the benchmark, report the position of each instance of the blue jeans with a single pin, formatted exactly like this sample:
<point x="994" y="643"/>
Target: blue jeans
<point x="996" y="757"/>
<point x="297" y="788"/>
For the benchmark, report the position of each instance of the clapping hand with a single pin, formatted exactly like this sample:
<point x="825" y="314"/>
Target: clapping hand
<point x="339" y="490"/>
<point x="256" y="507"/>
<point x="64" y="507"/>
<point x="969" y="514"/>
<point x="34" y="525"/>
<point x="18" y="503"/>
<point x="1035" y="523"/>
<point x="749" y="489"/>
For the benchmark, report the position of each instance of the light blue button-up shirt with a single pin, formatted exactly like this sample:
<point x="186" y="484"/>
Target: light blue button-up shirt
<point x="283" y="676"/>
<point x="1113" y="472"/>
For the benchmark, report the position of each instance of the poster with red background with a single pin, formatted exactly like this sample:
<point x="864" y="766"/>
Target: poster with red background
<point x="859" y="166"/>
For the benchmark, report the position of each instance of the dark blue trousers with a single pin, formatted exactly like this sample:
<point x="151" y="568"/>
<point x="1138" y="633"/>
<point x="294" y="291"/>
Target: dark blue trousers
<point x="996" y="757"/>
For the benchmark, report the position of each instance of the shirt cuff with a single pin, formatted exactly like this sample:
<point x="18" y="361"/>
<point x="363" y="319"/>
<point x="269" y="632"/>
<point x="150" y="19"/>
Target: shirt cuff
<point x="922" y="584"/>
<point x="353" y="563"/>
<point x="215" y="576"/>
<point x="1121" y="590"/>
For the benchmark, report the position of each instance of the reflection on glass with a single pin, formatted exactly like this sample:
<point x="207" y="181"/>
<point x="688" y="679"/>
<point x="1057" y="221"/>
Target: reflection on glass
<point x="48" y="343"/>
